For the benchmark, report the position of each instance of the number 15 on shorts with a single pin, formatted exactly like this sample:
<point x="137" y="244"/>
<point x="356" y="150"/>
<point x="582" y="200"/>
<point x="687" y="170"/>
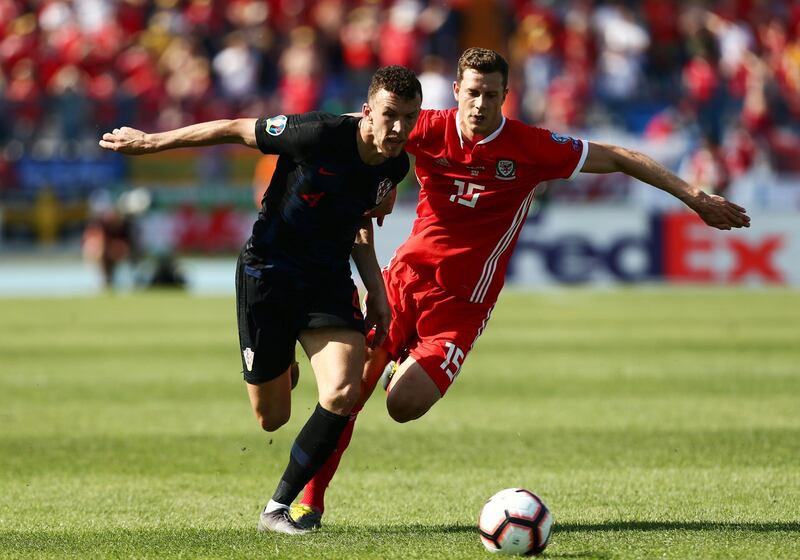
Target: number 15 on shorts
<point x="452" y="362"/>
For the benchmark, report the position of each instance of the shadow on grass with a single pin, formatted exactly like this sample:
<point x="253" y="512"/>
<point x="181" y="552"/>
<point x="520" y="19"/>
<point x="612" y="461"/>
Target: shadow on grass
<point x="408" y="529"/>
<point x="635" y="526"/>
<point x="777" y="527"/>
<point x="337" y="540"/>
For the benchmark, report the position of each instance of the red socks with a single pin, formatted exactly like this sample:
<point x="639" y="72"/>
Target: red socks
<point x="314" y="494"/>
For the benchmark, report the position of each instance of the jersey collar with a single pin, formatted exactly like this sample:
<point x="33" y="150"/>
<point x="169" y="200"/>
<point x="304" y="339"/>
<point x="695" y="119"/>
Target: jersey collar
<point x="486" y="140"/>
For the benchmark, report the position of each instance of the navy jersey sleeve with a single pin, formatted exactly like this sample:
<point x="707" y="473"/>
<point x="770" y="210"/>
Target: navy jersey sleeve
<point x="294" y="135"/>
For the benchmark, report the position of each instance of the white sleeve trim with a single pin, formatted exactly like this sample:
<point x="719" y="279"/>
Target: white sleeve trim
<point x="584" y="154"/>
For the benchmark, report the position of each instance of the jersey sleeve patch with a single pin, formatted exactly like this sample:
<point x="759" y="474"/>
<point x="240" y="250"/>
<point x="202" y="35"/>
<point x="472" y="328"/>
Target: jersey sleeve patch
<point x="275" y="125"/>
<point x="560" y="138"/>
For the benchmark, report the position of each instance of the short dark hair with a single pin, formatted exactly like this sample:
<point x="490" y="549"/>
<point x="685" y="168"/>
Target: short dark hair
<point x="398" y="80"/>
<point x="484" y="61"/>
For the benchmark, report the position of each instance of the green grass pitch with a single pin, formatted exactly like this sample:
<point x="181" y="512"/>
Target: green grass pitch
<point x="654" y="423"/>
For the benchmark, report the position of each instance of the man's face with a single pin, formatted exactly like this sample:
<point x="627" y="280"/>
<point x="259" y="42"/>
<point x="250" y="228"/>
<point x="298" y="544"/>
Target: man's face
<point x="392" y="118"/>
<point x="480" y="101"/>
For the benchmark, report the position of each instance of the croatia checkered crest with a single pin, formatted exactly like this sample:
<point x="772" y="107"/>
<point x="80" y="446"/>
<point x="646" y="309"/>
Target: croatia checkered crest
<point x="515" y="521"/>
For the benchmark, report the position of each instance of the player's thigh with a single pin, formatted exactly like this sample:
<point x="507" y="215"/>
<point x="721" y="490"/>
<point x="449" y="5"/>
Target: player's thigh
<point x="267" y="340"/>
<point x="447" y="329"/>
<point x="411" y="392"/>
<point x="337" y="358"/>
<point x="404" y="287"/>
<point x="266" y="318"/>
<point x="332" y="334"/>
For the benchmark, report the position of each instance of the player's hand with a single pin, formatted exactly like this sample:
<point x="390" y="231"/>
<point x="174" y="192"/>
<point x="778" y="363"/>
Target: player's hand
<point x="384" y="208"/>
<point x="379" y="217"/>
<point x="718" y="212"/>
<point x="126" y="140"/>
<point x="379" y="315"/>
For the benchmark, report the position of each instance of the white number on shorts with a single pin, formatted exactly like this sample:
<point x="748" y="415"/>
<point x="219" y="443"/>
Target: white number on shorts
<point x="466" y="193"/>
<point x="452" y="362"/>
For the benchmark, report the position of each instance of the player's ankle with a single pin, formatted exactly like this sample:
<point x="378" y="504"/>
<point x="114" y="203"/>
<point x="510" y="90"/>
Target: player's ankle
<point x="318" y="507"/>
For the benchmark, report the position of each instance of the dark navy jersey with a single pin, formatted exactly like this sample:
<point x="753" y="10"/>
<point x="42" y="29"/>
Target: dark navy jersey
<point x="319" y="192"/>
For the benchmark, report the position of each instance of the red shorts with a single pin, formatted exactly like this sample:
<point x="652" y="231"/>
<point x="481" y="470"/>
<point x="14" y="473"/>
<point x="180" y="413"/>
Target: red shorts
<point x="435" y="328"/>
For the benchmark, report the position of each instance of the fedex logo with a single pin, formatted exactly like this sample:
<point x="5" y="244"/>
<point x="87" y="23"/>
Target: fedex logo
<point x="685" y="234"/>
<point x="675" y="247"/>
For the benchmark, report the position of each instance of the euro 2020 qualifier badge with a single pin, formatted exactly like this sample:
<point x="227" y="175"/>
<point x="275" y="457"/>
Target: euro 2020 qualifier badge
<point x="276" y="125"/>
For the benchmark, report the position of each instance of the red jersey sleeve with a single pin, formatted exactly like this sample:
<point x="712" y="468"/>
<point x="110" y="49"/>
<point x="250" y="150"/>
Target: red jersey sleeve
<point x="429" y="129"/>
<point x="556" y="156"/>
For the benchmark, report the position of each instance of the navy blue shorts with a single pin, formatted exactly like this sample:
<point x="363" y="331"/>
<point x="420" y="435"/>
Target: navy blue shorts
<point x="273" y="306"/>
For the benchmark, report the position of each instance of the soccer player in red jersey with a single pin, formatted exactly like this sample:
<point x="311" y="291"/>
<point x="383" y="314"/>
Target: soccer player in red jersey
<point x="477" y="172"/>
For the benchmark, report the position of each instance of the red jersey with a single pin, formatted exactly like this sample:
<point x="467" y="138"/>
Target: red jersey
<point x="474" y="200"/>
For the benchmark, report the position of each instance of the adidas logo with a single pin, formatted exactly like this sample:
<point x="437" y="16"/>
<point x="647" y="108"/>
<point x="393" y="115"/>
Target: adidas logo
<point x="444" y="162"/>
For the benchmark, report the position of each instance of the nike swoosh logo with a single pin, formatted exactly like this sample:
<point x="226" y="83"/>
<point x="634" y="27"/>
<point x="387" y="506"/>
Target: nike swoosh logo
<point x="323" y="171"/>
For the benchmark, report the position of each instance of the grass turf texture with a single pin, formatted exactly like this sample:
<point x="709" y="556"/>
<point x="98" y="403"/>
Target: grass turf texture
<point x="653" y="423"/>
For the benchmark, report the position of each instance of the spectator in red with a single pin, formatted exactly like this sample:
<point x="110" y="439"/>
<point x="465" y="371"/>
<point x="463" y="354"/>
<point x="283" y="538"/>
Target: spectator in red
<point x="662" y="20"/>
<point x="398" y="40"/>
<point x="24" y="99"/>
<point x="131" y="16"/>
<point x="741" y="151"/>
<point x="533" y="48"/>
<point x="707" y="167"/>
<point x="69" y="102"/>
<point x="358" y="38"/>
<point x="301" y="72"/>
<point x="141" y="83"/>
<point x="101" y="90"/>
<point x="205" y="17"/>
<point x="703" y="86"/>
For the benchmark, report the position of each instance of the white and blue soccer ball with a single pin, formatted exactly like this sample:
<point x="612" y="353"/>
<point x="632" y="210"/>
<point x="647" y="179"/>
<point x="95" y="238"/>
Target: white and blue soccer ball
<point x="515" y="521"/>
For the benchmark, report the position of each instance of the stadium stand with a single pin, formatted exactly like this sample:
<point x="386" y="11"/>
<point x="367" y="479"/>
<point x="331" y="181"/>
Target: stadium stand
<point x="723" y="76"/>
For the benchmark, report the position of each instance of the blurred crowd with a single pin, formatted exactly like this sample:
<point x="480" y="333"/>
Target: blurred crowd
<point x="727" y="70"/>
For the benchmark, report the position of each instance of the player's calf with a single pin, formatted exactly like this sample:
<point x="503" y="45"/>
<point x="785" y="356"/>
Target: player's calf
<point x="271" y="402"/>
<point x="271" y="422"/>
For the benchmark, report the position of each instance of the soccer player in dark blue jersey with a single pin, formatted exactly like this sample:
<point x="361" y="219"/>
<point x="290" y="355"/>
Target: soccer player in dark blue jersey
<point x="293" y="278"/>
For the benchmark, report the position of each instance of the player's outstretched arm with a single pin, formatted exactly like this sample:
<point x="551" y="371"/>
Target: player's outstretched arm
<point x="131" y="141"/>
<point x="714" y="210"/>
<point x="378" y="312"/>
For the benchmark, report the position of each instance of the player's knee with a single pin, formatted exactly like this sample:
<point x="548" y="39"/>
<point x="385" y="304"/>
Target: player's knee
<point x="412" y="395"/>
<point x="342" y="399"/>
<point x="404" y="408"/>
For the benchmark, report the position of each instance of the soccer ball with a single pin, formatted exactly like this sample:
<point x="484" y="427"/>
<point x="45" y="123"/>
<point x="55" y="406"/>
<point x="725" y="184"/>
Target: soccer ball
<point x="515" y="521"/>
